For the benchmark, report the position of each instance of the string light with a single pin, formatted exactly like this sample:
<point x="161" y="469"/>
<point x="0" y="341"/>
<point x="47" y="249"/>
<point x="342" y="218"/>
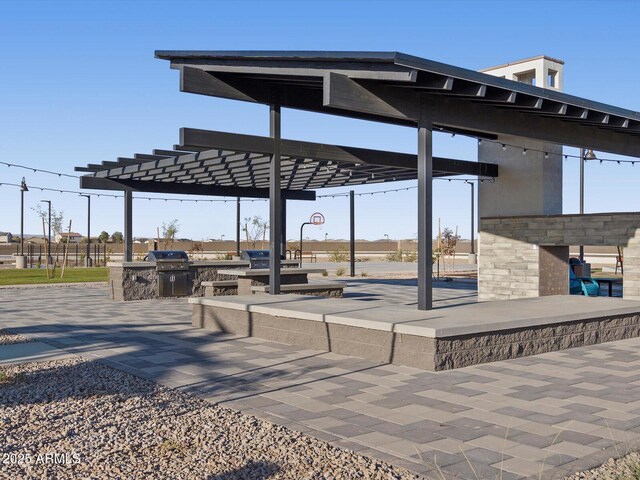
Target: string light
<point x="378" y="192"/>
<point x="38" y="170"/>
<point x="350" y="173"/>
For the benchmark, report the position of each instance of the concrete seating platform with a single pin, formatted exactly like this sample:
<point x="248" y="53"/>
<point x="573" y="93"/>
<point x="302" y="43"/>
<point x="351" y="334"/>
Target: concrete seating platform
<point x="439" y="339"/>
<point x="324" y="289"/>
<point x="220" y="287"/>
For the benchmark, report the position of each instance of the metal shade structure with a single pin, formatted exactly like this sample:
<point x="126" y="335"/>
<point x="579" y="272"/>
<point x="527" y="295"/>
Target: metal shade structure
<point x="226" y="164"/>
<point x="403" y="89"/>
<point x="388" y="87"/>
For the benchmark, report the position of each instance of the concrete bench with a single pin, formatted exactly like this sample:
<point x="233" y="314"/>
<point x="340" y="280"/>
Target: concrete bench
<point x="316" y="289"/>
<point x="220" y="287"/>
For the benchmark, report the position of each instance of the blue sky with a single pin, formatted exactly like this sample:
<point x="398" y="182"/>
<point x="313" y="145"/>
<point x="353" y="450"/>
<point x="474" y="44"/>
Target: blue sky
<point x="80" y="85"/>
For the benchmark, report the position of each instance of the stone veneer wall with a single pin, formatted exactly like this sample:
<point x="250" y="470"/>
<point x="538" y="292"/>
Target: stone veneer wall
<point x="509" y="249"/>
<point x="433" y="354"/>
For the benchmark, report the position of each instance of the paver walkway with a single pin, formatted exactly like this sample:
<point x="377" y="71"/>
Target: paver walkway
<point x="17" y="353"/>
<point x="541" y="416"/>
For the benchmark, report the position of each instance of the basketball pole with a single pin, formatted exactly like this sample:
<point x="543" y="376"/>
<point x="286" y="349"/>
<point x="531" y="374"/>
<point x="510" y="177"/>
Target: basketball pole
<point x="301" y="228"/>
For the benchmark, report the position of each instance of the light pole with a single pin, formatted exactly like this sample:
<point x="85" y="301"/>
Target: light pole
<point x="88" y="262"/>
<point x="222" y="238"/>
<point x="23" y="188"/>
<point x="325" y="236"/>
<point x="473" y="217"/>
<point x="49" y="234"/>
<point x="386" y="236"/>
<point x="584" y="156"/>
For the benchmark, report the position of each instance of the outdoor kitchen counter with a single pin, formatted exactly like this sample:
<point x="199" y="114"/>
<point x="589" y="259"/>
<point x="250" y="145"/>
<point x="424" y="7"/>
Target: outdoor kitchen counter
<point x="139" y="280"/>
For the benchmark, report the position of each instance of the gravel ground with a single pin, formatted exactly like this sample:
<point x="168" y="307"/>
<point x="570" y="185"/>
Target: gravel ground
<point x="8" y="338"/>
<point x="625" y="468"/>
<point x="104" y="423"/>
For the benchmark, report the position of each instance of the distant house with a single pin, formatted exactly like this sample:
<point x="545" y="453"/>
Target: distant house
<point x="6" y="237"/>
<point x="72" y="237"/>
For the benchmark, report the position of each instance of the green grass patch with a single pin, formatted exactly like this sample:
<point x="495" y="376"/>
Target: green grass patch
<point x="32" y="276"/>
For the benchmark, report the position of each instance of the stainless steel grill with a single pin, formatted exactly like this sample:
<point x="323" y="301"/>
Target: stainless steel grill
<point x="256" y="258"/>
<point x="173" y="272"/>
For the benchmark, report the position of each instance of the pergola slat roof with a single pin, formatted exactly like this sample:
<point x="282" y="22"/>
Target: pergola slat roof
<point x="398" y="88"/>
<point x="206" y="161"/>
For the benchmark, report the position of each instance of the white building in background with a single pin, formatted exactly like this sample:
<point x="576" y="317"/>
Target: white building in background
<point x="6" y="237"/>
<point x="541" y="71"/>
<point x="73" y="237"/>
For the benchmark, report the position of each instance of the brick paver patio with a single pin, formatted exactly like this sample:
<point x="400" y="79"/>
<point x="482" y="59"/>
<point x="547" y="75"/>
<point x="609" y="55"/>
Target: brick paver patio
<point x="542" y="416"/>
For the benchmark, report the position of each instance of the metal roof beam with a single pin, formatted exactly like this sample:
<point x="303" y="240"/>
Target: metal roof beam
<point x="170" y="153"/>
<point x="188" y="189"/>
<point x="344" y="93"/>
<point x="317" y="151"/>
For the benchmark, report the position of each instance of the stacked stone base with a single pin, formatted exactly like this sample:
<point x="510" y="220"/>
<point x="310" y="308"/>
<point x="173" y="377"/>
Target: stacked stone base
<point x="426" y="353"/>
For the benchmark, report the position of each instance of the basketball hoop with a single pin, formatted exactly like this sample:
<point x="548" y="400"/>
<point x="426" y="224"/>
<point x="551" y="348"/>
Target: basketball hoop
<point x="316" y="219"/>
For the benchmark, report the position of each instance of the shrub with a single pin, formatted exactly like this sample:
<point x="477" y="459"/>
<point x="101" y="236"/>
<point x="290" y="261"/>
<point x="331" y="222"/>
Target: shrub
<point x="339" y="255"/>
<point x="340" y="272"/>
<point x="364" y="274"/>
<point x="402" y="256"/>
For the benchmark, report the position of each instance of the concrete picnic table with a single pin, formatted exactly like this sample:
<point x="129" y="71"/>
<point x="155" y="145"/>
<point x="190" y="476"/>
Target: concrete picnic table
<point x="248" y="278"/>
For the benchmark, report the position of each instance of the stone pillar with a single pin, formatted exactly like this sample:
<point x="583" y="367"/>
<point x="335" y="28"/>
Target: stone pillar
<point x="631" y="283"/>
<point x="527" y="184"/>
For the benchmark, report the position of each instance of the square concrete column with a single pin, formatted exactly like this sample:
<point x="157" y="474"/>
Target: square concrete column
<point x="528" y="184"/>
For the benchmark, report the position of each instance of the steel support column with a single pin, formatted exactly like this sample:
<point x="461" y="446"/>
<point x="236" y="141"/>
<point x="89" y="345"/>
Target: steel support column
<point x="582" y="155"/>
<point x="283" y="226"/>
<point x="425" y="214"/>
<point x="238" y="226"/>
<point x="88" y="262"/>
<point x="128" y="226"/>
<point x="473" y="217"/>
<point x="275" y="202"/>
<point x="352" y="233"/>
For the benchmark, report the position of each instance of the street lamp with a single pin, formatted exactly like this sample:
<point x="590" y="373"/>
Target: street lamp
<point x="23" y="188"/>
<point x="584" y="156"/>
<point x="49" y="235"/>
<point x="88" y="259"/>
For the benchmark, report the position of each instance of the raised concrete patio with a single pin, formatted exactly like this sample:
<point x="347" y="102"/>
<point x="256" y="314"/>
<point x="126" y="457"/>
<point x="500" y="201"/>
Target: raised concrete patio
<point x="439" y="339"/>
<point x="536" y="417"/>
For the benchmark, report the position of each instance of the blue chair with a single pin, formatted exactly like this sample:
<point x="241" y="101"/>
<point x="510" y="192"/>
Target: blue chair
<point x="581" y="285"/>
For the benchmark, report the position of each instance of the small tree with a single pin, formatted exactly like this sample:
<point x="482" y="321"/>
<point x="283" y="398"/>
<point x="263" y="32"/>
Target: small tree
<point x="256" y="229"/>
<point x="103" y="237"/>
<point x="169" y="231"/>
<point x="447" y="244"/>
<point x="117" y="237"/>
<point x="57" y="218"/>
